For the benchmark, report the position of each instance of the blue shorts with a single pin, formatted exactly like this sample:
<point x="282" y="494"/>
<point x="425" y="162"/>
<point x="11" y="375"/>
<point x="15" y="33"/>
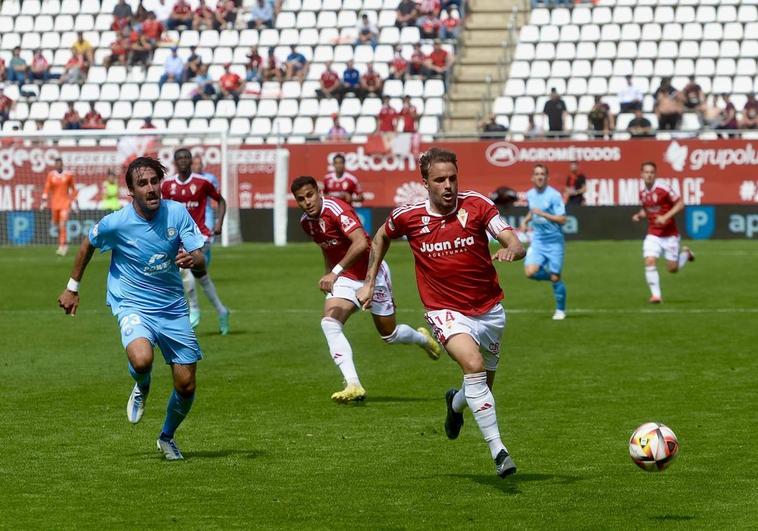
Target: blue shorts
<point x="173" y="335"/>
<point x="546" y="255"/>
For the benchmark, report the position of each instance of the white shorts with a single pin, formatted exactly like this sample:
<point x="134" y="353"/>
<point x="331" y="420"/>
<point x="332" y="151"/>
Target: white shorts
<point x="381" y="304"/>
<point x="655" y="246"/>
<point x="487" y="330"/>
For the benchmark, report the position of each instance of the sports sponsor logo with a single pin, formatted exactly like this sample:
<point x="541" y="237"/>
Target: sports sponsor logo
<point x="360" y="160"/>
<point x="744" y="224"/>
<point x="700" y="222"/>
<point x="347" y="222"/>
<point x="157" y="263"/>
<point x="409" y="193"/>
<point x="447" y="247"/>
<point x="484" y="407"/>
<point x="502" y="154"/>
<point x="722" y="158"/>
<point x="506" y="154"/>
<point x="676" y="155"/>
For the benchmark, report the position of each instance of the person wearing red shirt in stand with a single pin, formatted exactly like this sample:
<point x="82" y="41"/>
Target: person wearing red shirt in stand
<point x="3" y="70"/>
<point x="335" y="227"/>
<point x="272" y="71"/>
<point x="750" y="113"/>
<point x="399" y="65"/>
<point x="438" y="62"/>
<point x="343" y="185"/>
<point x="331" y="87"/>
<point x="225" y="15"/>
<point x="203" y="17"/>
<point x="6" y="105"/>
<point x="371" y="82"/>
<point x="416" y="66"/>
<point x="231" y="84"/>
<point x="449" y="237"/>
<point x="409" y="115"/>
<point x="152" y="29"/>
<point x="119" y="51"/>
<point x="387" y="117"/>
<point x="93" y="119"/>
<point x="660" y="204"/>
<point x="72" y="119"/>
<point x="181" y="15"/>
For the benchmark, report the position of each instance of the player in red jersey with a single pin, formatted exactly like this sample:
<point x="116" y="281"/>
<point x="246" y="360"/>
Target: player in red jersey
<point x="449" y="237"/>
<point x="659" y="205"/>
<point x="334" y="226"/>
<point x="340" y="184"/>
<point x="193" y="189"/>
<point x="59" y="194"/>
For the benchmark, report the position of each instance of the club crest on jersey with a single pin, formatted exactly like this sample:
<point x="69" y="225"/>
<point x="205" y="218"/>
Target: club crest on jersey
<point x="193" y="189"/>
<point x="322" y="225"/>
<point x="463" y="217"/>
<point x="171" y="232"/>
<point x="347" y="222"/>
<point x="425" y="220"/>
<point x="173" y="188"/>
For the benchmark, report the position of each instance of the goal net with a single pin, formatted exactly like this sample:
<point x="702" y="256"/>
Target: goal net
<point x="26" y="159"/>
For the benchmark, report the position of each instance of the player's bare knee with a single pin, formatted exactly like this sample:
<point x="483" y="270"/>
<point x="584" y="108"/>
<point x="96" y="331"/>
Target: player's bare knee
<point x="672" y="268"/>
<point x="555" y="278"/>
<point x="650" y="261"/>
<point x="185" y="388"/>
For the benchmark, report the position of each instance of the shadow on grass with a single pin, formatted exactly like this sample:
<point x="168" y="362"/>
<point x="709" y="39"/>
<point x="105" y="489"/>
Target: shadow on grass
<point x="232" y="332"/>
<point x="510" y="485"/>
<point x="372" y="398"/>
<point x="673" y="517"/>
<point x="214" y="454"/>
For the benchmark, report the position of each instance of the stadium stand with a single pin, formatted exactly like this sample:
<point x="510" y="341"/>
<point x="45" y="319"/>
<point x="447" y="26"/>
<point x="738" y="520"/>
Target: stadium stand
<point x="321" y="30"/>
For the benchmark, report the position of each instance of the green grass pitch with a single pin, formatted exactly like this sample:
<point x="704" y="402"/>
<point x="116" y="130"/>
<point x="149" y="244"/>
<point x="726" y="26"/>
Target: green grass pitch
<point x="266" y="448"/>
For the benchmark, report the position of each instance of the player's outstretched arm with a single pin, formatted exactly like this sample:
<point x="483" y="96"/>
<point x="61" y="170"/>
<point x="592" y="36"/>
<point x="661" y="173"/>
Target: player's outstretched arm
<point x="69" y="299"/>
<point x="379" y="248"/>
<point x="512" y="249"/>
<point x="358" y="246"/>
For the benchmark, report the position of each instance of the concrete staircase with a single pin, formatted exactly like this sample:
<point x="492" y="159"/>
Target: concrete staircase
<point x="480" y="48"/>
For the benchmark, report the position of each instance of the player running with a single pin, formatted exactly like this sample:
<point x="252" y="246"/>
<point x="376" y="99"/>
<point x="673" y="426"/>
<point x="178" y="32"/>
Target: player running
<point x="458" y="285"/>
<point x="334" y="226"/>
<point x="544" y="258"/>
<point x="659" y="205"/>
<point x="60" y="195"/>
<point x="149" y="240"/>
<point x="343" y="185"/>
<point x="194" y="190"/>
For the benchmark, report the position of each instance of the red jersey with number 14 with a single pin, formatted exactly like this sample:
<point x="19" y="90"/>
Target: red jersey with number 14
<point x="454" y="269"/>
<point x="331" y="231"/>
<point x="657" y="201"/>
<point x="194" y="193"/>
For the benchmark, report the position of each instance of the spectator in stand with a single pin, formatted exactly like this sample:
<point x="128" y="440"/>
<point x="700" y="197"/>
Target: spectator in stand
<point x="492" y="130"/>
<point x="140" y="15"/>
<point x="330" y="84"/>
<point x="173" y="69"/>
<point x="351" y="80"/>
<point x="254" y="67"/>
<point x="162" y="12"/>
<point x="669" y="106"/>
<point x="416" y="67"/>
<point x="728" y="116"/>
<point x="192" y="67"/>
<point x="368" y="33"/>
<point x="83" y="46"/>
<point x="630" y="97"/>
<point x="371" y="83"/>
<point x="438" y="62"/>
<point x="336" y="132"/>
<point x="261" y="16"/>
<point x="576" y="185"/>
<point x="204" y="89"/>
<point x="429" y="25"/>
<point x="694" y="97"/>
<point x="18" y="70"/>
<point x="711" y="112"/>
<point x="148" y="124"/>
<point x="555" y="111"/>
<point x="451" y="25"/>
<point x="387" y="118"/>
<point x="534" y="130"/>
<point x="75" y="69"/>
<point x="409" y="115"/>
<point x="601" y="119"/>
<point x="399" y="65"/>
<point x="406" y="14"/>
<point x="140" y="51"/>
<point x="93" y="119"/>
<point x="639" y="126"/>
<point x="225" y="15"/>
<point x="3" y="70"/>
<point x="750" y="113"/>
<point x="430" y="6"/>
<point x="72" y="119"/>
<point x="40" y="68"/>
<point x="6" y="105"/>
<point x="272" y="71"/>
<point x="153" y="29"/>
<point x="231" y="85"/>
<point x="204" y="17"/>
<point x="181" y="15"/>
<point x="119" y="52"/>
<point x="296" y="65"/>
<point x="122" y="15"/>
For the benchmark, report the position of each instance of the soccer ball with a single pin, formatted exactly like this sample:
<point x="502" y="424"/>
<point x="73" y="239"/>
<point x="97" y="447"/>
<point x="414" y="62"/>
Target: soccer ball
<point x="653" y="446"/>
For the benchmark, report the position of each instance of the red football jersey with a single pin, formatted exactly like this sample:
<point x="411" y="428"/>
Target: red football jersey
<point x="409" y="115"/>
<point x="656" y="202"/>
<point x="346" y="183"/>
<point x="454" y="269"/>
<point x="330" y="231"/>
<point x="387" y="119"/>
<point x="194" y="193"/>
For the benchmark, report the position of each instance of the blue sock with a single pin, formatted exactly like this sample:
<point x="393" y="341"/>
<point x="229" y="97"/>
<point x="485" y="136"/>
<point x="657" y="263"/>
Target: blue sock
<point x="178" y="408"/>
<point x="142" y="378"/>
<point x="541" y="274"/>
<point x="559" y="291"/>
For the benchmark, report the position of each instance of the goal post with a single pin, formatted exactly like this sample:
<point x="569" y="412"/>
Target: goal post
<point x="27" y="157"/>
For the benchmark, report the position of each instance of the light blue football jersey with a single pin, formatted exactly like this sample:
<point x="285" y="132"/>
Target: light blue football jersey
<point x="210" y="213"/>
<point x="550" y="201"/>
<point x="142" y="274"/>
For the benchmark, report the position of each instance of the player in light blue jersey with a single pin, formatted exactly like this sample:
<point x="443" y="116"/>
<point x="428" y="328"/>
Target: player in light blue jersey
<point x="149" y="240"/>
<point x="544" y="258"/>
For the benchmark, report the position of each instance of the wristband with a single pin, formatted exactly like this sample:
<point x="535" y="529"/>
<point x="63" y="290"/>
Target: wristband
<point x="337" y="269"/>
<point x="73" y="285"/>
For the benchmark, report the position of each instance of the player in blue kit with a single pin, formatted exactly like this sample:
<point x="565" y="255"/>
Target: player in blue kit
<point x="149" y="240"/>
<point x="544" y="258"/>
